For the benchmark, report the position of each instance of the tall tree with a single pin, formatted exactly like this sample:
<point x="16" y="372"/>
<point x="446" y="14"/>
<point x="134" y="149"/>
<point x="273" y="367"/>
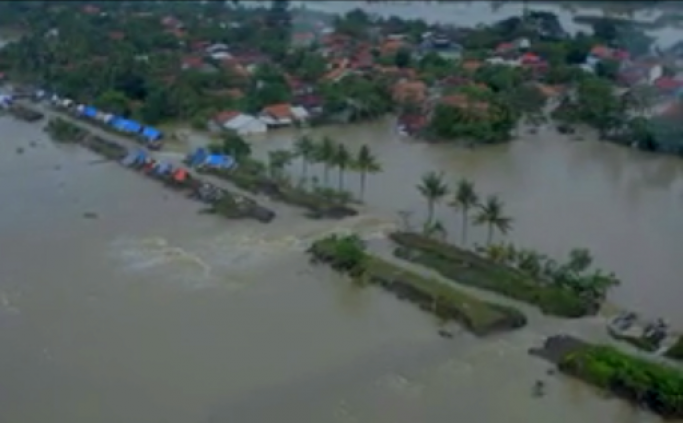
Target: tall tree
<point x="464" y="200"/>
<point x="342" y="160"/>
<point x="433" y="189"/>
<point x="366" y="163"/>
<point x="492" y="215"/>
<point x="324" y="155"/>
<point x="304" y="148"/>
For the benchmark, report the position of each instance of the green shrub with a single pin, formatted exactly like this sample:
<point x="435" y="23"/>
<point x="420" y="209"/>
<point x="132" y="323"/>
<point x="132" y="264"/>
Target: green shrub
<point x="467" y="268"/>
<point x="654" y="385"/>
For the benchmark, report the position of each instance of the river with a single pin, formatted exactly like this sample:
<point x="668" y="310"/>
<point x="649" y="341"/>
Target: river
<point x="118" y="302"/>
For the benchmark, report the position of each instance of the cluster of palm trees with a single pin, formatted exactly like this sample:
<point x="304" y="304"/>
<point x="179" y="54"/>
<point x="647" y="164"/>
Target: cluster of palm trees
<point x="465" y="200"/>
<point x="335" y="156"/>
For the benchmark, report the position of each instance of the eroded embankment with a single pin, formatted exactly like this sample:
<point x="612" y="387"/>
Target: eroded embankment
<point x="651" y="385"/>
<point x="220" y="200"/>
<point x="347" y="255"/>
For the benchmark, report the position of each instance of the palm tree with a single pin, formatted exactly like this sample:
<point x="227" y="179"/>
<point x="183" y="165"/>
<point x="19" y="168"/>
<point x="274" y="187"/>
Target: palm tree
<point x="342" y="160"/>
<point x="365" y="163"/>
<point x="304" y="147"/>
<point x="465" y="199"/>
<point x="433" y="189"/>
<point x="278" y="160"/>
<point x="491" y="215"/>
<point x="325" y="152"/>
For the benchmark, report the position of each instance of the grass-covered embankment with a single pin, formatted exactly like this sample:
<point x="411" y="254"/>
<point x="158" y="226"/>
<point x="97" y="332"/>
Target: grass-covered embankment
<point x="317" y="205"/>
<point x="651" y="385"/>
<point x="466" y="267"/>
<point x="347" y="254"/>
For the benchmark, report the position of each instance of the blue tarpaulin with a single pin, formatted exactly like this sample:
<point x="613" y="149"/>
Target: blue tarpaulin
<point x="197" y="157"/>
<point x="151" y="134"/>
<point x="219" y="161"/>
<point x="163" y="168"/>
<point x="141" y="157"/>
<point x="89" y="111"/>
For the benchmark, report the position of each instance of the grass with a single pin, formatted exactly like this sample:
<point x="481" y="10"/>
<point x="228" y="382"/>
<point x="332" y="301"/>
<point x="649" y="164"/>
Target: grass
<point x="445" y="301"/>
<point x="467" y="268"/>
<point x="657" y="386"/>
<point x="477" y="314"/>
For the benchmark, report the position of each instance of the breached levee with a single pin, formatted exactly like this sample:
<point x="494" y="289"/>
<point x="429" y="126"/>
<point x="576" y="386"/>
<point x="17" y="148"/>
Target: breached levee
<point x="220" y="200"/>
<point x="648" y="384"/>
<point x="347" y="254"/>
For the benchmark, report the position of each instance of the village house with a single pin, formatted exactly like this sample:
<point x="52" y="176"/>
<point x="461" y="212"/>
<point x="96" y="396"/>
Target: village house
<point x="406" y="91"/>
<point x="282" y="115"/>
<point x="241" y="123"/>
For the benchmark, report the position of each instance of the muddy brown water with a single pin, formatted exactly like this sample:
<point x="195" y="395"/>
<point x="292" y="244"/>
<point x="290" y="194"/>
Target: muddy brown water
<point x="119" y="303"/>
<point x="151" y="313"/>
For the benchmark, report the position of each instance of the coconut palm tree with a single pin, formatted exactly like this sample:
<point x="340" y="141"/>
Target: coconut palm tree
<point x="433" y="189"/>
<point x="342" y="160"/>
<point x="324" y="153"/>
<point x="464" y="200"/>
<point x="278" y="160"/>
<point x="491" y="214"/>
<point x="366" y="163"/>
<point x="304" y="147"/>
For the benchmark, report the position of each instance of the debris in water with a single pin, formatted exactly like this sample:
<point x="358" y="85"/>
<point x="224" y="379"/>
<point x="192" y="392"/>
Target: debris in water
<point x="58" y="167"/>
<point x="20" y="150"/>
<point x="445" y="334"/>
<point x="33" y="144"/>
<point x="90" y="215"/>
<point x="539" y="389"/>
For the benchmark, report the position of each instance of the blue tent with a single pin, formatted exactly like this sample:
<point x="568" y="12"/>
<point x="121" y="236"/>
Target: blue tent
<point x="117" y="122"/>
<point x="141" y="157"/>
<point x="89" y="111"/>
<point x="151" y="134"/>
<point x="219" y="161"/>
<point x="133" y="126"/>
<point x="197" y="157"/>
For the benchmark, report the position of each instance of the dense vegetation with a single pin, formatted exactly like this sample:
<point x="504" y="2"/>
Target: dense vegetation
<point x="567" y="289"/>
<point x="347" y="254"/>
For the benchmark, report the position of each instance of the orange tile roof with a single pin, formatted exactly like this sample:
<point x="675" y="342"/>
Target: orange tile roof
<point x="410" y="90"/>
<point x="472" y="65"/>
<point x="279" y="111"/>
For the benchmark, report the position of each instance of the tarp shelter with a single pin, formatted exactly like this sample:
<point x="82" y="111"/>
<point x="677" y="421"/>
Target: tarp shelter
<point x="89" y="111"/>
<point x="163" y="168"/>
<point x="219" y="161"/>
<point x="151" y="134"/>
<point x="125" y="125"/>
<point x="141" y="157"/>
<point x="197" y="157"/>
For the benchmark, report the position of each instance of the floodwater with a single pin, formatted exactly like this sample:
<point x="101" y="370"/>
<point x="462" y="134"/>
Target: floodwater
<point x="118" y="302"/>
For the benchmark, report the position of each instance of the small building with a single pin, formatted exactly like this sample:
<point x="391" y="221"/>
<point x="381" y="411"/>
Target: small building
<point x="246" y="125"/>
<point x="278" y="115"/>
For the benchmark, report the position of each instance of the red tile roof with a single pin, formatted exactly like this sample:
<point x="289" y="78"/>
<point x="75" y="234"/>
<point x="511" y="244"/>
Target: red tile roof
<point x="279" y="111"/>
<point x="410" y="91"/>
